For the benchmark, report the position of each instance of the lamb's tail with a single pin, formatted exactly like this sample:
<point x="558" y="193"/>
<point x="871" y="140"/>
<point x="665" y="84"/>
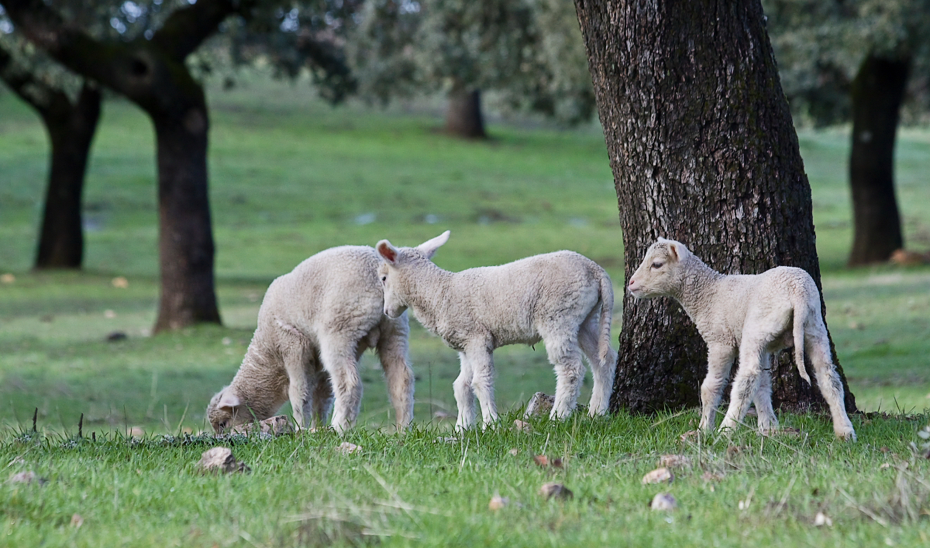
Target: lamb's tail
<point x="801" y="311"/>
<point x="606" y="354"/>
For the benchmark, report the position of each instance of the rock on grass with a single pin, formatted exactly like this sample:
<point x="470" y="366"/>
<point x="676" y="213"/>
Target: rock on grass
<point x="221" y="460"/>
<point x="659" y="475"/>
<point x="555" y="491"/>
<point x="276" y="426"/>
<point x="663" y="501"/>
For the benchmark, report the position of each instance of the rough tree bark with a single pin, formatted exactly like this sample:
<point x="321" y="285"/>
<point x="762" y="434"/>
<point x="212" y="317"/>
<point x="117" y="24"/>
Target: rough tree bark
<point x="152" y="74"/>
<point x="703" y="150"/>
<point x="71" y="126"/>
<point x="877" y="93"/>
<point x="463" y="115"/>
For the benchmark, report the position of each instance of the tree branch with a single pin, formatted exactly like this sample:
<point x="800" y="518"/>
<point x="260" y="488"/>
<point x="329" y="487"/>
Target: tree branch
<point x="68" y="45"/>
<point x="24" y="84"/>
<point x="187" y="28"/>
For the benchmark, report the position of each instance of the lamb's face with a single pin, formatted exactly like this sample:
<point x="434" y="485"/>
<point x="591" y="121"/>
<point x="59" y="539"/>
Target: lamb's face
<point x="223" y="411"/>
<point x="393" y="305"/>
<point x="403" y="260"/>
<point x="658" y="275"/>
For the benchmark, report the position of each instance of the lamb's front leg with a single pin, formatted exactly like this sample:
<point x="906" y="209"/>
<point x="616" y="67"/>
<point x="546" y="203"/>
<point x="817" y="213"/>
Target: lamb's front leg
<point x="482" y="382"/>
<point x="719" y="361"/>
<point x="745" y="384"/>
<point x="464" y="395"/>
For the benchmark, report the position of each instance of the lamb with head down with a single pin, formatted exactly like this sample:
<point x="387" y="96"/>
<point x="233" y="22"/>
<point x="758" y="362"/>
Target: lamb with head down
<point x="750" y="316"/>
<point x="562" y="298"/>
<point x="313" y="326"/>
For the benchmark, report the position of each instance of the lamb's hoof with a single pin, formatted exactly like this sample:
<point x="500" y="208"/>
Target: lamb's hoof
<point x="846" y="434"/>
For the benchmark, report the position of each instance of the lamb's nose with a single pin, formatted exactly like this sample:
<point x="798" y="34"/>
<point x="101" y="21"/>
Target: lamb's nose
<point x="632" y="281"/>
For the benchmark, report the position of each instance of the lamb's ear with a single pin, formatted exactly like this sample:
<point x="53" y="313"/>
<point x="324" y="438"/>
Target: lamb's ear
<point x="673" y="251"/>
<point x="429" y="248"/>
<point x="228" y="400"/>
<point x="387" y="251"/>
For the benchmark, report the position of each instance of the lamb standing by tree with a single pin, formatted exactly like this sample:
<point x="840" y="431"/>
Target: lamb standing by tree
<point x="561" y="298"/>
<point x="754" y="316"/>
<point x="313" y="326"/>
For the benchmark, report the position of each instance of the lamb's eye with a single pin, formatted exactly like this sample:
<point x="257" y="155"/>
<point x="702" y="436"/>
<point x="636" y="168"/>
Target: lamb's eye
<point x="384" y="278"/>
<point x="657" y="265"/>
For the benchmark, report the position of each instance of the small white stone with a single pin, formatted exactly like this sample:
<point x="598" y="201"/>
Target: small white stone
<point x="659" y="475"/>
<point x="663" y="501"/>
<point x="821" y="519"/>
<point x="347" y="448"/>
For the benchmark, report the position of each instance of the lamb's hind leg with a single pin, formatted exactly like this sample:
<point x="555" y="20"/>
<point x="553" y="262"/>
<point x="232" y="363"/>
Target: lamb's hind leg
<point x="392" y="351"/>
<point x="565" y="356"/>
<point x="340" y="361"/>
<point x="297" y="364"/>
<point x="818" y="349"/>
<point x="745" y="384"/>
<point x="601" y="373"/>
<point x="464" y="395"/>
<point x="767" y="420"/>
<point x="719" y="361"/>
<point x="322" y="399"/>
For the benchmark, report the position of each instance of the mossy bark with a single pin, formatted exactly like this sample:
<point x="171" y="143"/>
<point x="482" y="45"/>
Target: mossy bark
<point x="877" y="92"/>
<point x="703" y="150"/>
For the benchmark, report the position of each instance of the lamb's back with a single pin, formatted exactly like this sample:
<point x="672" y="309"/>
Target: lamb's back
<point x="511" y="299"/>
<point x="335" y="289"/>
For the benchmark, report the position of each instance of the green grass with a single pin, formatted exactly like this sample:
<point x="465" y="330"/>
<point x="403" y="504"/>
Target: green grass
<point x="290" y="177"/>
<point x="418" y="489"/>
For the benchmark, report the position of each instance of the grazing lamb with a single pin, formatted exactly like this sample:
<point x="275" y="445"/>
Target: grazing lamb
<point x="313" y="326"/>
<point x="752" y="316"/>
<point x="561" y="298"/>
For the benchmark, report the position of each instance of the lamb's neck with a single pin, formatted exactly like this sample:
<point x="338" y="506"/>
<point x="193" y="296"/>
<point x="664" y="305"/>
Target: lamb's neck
<point x="427" y="295"/>
<point x="259" y="384"/>
<point x="698" y="288"/>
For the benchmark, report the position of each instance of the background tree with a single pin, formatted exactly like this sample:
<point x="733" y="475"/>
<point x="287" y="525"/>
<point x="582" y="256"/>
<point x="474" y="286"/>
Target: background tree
<point x="149" y="64"/>
<point x="843" y="60"/>
<point x="702" y="148"/>
<point x="69" y="110"/>
<point x="529" y="51"/>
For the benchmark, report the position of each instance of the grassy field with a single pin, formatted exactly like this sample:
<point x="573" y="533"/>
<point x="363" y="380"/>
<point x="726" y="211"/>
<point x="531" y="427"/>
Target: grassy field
<point x="290" y="177"/>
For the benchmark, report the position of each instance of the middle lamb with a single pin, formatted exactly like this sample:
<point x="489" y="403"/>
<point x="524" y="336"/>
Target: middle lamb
<point x="562" y="298"/>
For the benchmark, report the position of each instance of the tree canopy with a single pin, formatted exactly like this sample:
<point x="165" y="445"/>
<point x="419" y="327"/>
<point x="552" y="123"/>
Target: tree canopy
<point x="821" y="46"/>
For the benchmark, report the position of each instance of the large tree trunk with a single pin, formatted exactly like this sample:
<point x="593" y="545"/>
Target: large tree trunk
<point x="703" y="150"/>
<point x="463" y="115"/>
<point x="877" y="92"/>
<point x="185" y="242"/>
<point x="152" y="74"/>
<point x="71" y="128"/>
